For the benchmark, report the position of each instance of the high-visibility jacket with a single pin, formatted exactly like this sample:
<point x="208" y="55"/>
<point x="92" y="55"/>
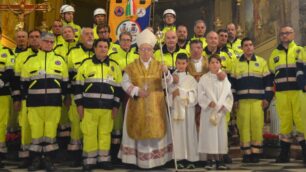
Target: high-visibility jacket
<point x="301" y="70"/>
<point x="124" y="58"/>
<point x="282" y="63"/>
<point x="169" y="58"/>
<point x="202" y="39"/>
<point x="236" y="46"/>
<point x="76" y="28"/>
<point x="19" y="62"/>
<point x="98" y="84"/>
<point x="44" y="78"/>
<point x="58" y="40"/>
<point x="63" y="48"/>
<point x="7" y="60"/>
<point x="251" y="79"/>
<point x="227" y="60"/>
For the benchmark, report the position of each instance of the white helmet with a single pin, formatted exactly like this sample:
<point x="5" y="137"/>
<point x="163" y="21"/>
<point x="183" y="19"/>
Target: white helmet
<point x="169" y="11"/>
<point x="99" y="11"/>
<point x="66" y="8"/>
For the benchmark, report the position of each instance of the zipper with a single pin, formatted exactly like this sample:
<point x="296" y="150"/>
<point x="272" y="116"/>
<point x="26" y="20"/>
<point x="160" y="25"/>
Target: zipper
<point x="126" y="57"/>
<point x="45" y="81"/>
<point x="248" y="75"/>
<point x="101" y="81"/>
<point x="287" y="64"/>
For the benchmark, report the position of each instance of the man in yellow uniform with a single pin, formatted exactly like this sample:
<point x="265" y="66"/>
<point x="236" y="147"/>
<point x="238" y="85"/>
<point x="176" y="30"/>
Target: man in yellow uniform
<point x="19" y="100"/>
<point x="212" y="48"/>
<point x="125" y="55"/>
<point x="199" y="30"/>
<point x="223" y="40"/>
<point x="169" y="18"/>
<point x="67" y="15"/>
<point x="75" y="58"/>
<point x="6" y="74"/>
<point x="170" y="50"/>
<point x="57" y="29"/>
<point x="97" y="95"/>
<point x="282" y="64"/>
<point x="100" y="18"/>
<point x="21" y="41"/>
<point x="234" y="42"/>
<point x="182" y="36"/>
<point x="252" y="88"/>
<point x="44" y="79"/>
<point x="103" y="32"/>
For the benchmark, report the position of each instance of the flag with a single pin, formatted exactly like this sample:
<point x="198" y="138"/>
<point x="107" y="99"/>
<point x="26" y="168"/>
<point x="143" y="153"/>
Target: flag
<point x="130" y="8"/>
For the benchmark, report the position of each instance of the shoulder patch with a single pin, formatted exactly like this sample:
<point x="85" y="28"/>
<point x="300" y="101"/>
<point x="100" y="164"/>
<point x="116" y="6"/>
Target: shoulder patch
<point x="257" y="64"/>
<point x="3" y="55"/>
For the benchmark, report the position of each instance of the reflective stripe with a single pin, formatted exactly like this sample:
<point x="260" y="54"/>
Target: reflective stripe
<point x="45" y="91"/>
<point x="78" y="83"/>
<point x="90" y="154"/>
<point x="24" y="154"/>
<point x="25" y="147"/>
<point x="97" y="95"/>
<point x="117" y="99"/>
<point x="50" y="147"/>
<point x="116" y="132"/>
<point x="266" y="74"/>
<point x="78" y="96"/>
<point x="250" y="91"/>
<point x="64" y="133"/>
<point x="103" y="152"/>
<point x="248" y="75"/>
<point x="16" y="92"/>
<point x="299" y="73"/>
<point x="233" y="90"/>
<point x="88" y="161"/>
<point x="24" y="79"/>
<point x="104" y="158"/>
<point x="37" y="141"/>
<point x="74" y="147"/>
<point x="2" y="70"/>
<point x="75" y="142"/>
<point x="99" y="80"/>
<point x="282" y="80"/>
<point x="17" y="73"/>
<point x="35" y="148"/>
<point x="64" y="126"/>
<point x="269" y="89"/>
<point x="116" y="141"/>
<point x="48" y="76"/>
<point x="284" y="66"/>
<point x="3" y="150"/>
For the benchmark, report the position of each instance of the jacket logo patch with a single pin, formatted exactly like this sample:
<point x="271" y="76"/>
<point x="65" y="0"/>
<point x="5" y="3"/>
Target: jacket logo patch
<point x="298" y="51"/>
<point x="257" y="64"/>
<point x="114" y="49"/>
<point x="223" y="58"/>
<point x="4" y="55"/>
<point x="112" y="68"/>
<point x="58" y="62"/>
<point x="276" y="59"/>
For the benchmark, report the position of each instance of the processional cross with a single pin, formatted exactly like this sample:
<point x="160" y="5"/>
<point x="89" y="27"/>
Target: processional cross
<point x="23" y="8"/>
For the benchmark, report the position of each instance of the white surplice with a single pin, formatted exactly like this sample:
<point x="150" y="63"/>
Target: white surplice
<point x="147" y="153"/>
<point x="183" y="117"/>
<point x="213" y="138"/>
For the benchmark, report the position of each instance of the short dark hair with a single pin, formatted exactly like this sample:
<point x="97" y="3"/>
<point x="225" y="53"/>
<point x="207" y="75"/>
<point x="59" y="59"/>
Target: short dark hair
<point x="222" y="30"/>
<point x="96" y="42"/>
<point x="182" y="25"/>
<point x="182" y="56"/>
<point x="244" y="40"/>
<point x="214" y="56"/>
<point x="34" y="30"/>
<point x="100" y="26"/>
<point x="125" y="33"/>
<point x="196" y="41"/>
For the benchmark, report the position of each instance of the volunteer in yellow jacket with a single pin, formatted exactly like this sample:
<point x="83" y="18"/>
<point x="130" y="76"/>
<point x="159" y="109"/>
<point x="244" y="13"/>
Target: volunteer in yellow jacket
<point x="57" y="29"/>
<point x="103" y="32"/>
<point x="252" y="88"/>
<point x="170" y="51"/>
<point x="199" y="30"/>
<point x="19" y="100"/>
<point x="6" y="75"/>
<point x="169" y="18"/>
<point x="97" y="95"/>
<point x="67" y="15"/>
<point x="75" y="58"/>
<point x="100" y="18"/>
<point x="44" y="78"/>
<point x="21" y="38"/>
<point x="282" y="64"/>
<point x="234" y="42"/>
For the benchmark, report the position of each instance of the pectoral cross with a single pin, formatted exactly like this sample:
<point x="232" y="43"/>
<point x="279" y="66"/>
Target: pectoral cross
<point x="23" y="8"/>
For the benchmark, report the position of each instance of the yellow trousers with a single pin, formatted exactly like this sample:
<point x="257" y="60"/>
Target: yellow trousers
<point x="75" y="134"/>
<point x="43" y="122"/>
<point x="5" y="110"/>
<point x="250" y="122"/>
<point x="288" y="107"/>
<point x="303" y="109"/>
<point x="96" y="126"/>
<point x="25" y="131"/>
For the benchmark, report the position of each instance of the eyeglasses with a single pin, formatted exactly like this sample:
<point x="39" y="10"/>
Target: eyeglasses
<point x="285" y="33"/>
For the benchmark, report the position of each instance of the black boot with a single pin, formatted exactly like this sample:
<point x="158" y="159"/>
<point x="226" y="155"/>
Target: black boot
<point x="246" y="158"/>
<point x="284" y="155"/>
<point x="227" y="159"/>
<point x="106" y="165"/>
<point x="1" y="159"/>
<point x="48" y="164"/>
<point x="36" y="164"/>
<point x="76" y="158"/>
<point x="303" y="145"/>
<point x="87" y="168"/>
<point x="25" y="163"/>
<point x="255" y="158"/>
